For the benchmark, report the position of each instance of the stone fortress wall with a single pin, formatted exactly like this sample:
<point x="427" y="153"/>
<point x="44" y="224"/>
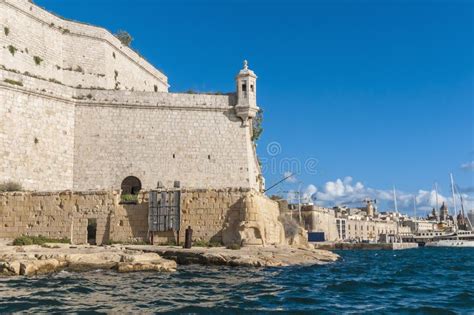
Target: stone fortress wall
<point x="226" y="216"/>
<point x="57" y="133"/>
<point x="35" y="41"/>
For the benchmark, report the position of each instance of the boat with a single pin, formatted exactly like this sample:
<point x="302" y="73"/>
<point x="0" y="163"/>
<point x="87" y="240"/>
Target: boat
<point x="459" y="237"/>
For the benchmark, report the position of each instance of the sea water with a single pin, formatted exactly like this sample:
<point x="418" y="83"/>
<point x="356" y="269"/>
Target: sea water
<point x="416" y="281"/>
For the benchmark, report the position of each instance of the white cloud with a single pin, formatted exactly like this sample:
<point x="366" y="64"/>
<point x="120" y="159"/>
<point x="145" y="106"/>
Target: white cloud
<point x="292" y="179"/>
<point x="469" y="166"/>
<point x="352" y="193"/>
<point x="309" y="192"/>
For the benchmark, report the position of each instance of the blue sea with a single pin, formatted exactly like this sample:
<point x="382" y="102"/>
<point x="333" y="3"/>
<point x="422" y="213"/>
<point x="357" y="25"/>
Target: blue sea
<point x="417" y="281"/>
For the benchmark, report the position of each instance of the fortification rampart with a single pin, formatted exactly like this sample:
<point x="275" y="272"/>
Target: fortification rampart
<point x="35" y="41"/>
<point x="225" y="216"/>
<point x="57" y="137"/>
<point x="72" y="119"/>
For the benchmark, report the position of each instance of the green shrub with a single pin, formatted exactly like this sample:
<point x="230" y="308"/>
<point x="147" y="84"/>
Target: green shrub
<point x="128" y="242"/>
<point x="201" y="243"/>
<point x="168" y="243"/>
<point x="257" y="125"/>
<point x="6" y="30"/>
<point x="13" y="82"/>
<point x="55" y="81"/>
<point x="10" y="186"/>
<point x="129" y="198"/>
<point x="37" y="240"/>
<point x="234" y="246"/>
<point x="38" y="60"/>
<point x="12" y="49"/>
<point x="124" y="37"/>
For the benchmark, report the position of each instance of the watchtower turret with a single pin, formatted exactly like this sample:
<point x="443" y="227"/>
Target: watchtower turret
<point x="246" y="107"/>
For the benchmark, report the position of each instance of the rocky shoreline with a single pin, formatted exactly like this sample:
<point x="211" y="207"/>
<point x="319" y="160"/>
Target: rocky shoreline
<point x="49" y="258"/>
<point x="249" y="256"/>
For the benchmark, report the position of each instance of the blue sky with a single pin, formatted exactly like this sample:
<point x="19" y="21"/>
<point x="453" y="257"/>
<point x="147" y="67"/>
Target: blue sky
<point x="377" y="92"/>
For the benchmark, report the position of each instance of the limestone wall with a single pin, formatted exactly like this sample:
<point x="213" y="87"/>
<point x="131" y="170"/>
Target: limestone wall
<point x="35" y="41"/>
<point x="208" y="212"/>
<point x="319" y="220"/>
<point x="199" y="141"/>
<point x="66" y="214"/>
<point x="225" y="216"/>
<point x="95" y="139"/>
<point x="36" y="137"/>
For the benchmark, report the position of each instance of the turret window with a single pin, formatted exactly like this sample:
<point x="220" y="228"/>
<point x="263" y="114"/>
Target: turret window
<point x="252" y="88"/>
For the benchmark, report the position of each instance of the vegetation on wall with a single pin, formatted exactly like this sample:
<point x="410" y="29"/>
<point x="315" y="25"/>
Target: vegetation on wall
<point x="12" y="49"/>
<point x="124" y="37"/>
<point x="38" y="60"/>
<point x="257" y="126"/>
<point x="6" y="30"/>
<point x="55" y="81"/>
<point x="37" y="240"/>
<point x="10" y="186"/>
<point x="79" y="69"/>
<point x="13" y="82"/>
<point x="129" y="198"/>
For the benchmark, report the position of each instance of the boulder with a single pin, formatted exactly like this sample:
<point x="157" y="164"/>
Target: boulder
<point x="34" y="267"/>
<point x="162" y="266"/>
<point x="93" y="261"/>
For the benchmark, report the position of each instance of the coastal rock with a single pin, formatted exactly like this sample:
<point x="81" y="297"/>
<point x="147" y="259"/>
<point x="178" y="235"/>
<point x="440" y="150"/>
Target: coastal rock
<point x="145" y="262"/>
<point x="93" y="261"/>
<point x="10" y="268"/>
<point x="34" y="267"/>
<point x="162" y="265"/>
<point x="251" y="256"/>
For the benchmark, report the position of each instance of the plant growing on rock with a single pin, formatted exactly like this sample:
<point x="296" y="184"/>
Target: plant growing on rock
<point x="38" y="60"/>
<point x="12" y="49"/>
<point x="6" y="30"/>
<point x="257" y="126"/>
<point x="129" y="198"/>
<point x="124" y="37"/>
<point x="233" y="246"/>
<point x="13" y="82"/>
<point x="37" y="240"/>
<point x="10" y="186"/>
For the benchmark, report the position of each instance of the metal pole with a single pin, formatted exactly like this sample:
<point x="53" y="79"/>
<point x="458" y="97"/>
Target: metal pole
<point x="454" y="199"/>
<point x="437" y="204"/>
<point x="414" y="205"/>
<point x="299" y="202"/>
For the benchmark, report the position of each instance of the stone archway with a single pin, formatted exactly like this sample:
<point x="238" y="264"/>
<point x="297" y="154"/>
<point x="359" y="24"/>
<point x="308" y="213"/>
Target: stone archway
<point x="131" y="185"/>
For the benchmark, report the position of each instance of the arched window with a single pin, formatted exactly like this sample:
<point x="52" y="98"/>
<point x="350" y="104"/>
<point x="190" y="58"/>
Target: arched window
<point x="131" y="186"/>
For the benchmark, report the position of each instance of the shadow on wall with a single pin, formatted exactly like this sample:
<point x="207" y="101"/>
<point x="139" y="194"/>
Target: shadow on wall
<point x="131" y="223"/>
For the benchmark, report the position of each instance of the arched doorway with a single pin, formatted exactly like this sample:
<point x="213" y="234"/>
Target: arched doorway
<point x="131" y="186"/>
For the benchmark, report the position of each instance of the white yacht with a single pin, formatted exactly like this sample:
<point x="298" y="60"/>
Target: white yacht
<point x="459" y="238"/>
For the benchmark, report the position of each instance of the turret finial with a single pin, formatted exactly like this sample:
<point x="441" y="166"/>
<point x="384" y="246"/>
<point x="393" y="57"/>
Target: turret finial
<point x="246" y="64"/>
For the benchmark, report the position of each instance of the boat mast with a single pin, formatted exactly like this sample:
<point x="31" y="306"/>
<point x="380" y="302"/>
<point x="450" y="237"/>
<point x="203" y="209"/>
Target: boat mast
<point x="464" y="216"/>
<point x="396" y="210"/>
<point x="395" y="200"/>
<point x="454" y="198"/>
<point x="414" y="205"/>
<point x="437" y="205"/>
